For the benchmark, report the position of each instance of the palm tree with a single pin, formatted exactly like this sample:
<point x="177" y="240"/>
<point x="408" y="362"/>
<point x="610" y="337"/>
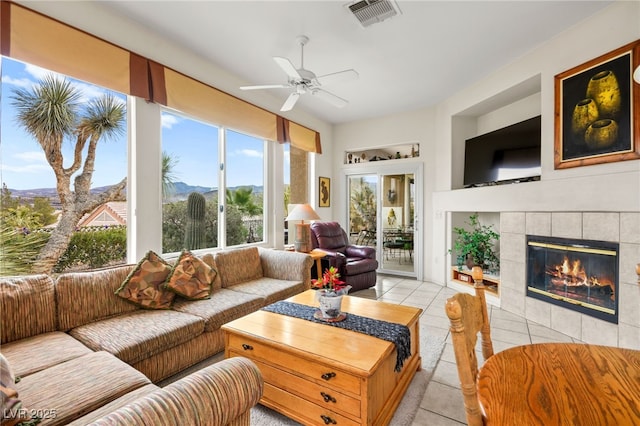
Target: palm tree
<point x="242" y="198"/>
<point x="51" y="112"/>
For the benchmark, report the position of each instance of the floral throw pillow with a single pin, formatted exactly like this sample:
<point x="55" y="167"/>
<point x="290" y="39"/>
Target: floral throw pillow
<point x="144" y="285"/>
<point x="191" y="277"/>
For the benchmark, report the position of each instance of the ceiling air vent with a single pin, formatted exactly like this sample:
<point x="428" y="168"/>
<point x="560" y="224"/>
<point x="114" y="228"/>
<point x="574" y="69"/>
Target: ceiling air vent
<point x="368" y="12"/>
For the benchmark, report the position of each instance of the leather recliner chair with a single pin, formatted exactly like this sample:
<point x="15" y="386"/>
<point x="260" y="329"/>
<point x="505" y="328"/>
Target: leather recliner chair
<point x="357" y="264"/>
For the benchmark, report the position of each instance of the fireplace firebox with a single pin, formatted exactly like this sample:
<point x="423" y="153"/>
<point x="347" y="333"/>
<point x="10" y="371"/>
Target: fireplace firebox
<point x="581" y="275"/>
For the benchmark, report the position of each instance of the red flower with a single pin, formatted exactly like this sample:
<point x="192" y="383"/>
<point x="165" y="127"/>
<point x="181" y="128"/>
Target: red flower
<point x="330" y="280"/>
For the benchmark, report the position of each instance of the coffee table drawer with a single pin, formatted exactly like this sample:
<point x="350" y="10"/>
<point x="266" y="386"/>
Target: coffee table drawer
<point x="302" y="410"/>
<point x="318" y="394"/>
<point x="313" y="370"/>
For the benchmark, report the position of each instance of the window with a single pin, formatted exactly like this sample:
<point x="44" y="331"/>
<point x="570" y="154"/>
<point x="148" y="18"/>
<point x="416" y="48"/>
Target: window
<point x="190" y="166"/>
<point x="245" y="172"/>
<point x="194" y="182"/>
<point x="35" y="189"/>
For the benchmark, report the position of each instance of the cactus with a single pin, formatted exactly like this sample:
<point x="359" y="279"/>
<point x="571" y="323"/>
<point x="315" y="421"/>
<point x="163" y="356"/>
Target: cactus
<point x="194" y="231"/>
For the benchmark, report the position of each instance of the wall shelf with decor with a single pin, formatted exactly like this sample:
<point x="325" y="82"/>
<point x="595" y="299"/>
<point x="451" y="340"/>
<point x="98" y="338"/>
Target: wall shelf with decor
<point x="392" y="152"/>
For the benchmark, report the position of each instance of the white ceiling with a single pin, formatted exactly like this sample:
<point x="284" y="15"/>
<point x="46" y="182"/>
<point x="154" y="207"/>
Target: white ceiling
<point x="416" y="59"/>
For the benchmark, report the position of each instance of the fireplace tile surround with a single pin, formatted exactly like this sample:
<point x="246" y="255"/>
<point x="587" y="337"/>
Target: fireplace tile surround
<point x="619" y="227"/>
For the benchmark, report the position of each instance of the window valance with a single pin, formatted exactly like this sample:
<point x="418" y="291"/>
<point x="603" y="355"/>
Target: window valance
<point x="37" y="39"/>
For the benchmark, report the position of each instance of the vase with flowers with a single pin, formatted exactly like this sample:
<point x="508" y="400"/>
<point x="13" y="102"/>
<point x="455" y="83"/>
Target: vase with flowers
<point x="329" y="295"/>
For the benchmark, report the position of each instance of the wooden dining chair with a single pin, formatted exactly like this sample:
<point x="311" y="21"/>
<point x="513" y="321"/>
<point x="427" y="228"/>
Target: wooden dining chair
<point x="468" y="316"/>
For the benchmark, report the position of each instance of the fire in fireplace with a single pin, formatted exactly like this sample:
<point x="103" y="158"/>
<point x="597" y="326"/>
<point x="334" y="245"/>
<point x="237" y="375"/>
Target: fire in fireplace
<point x="581" y="275"/>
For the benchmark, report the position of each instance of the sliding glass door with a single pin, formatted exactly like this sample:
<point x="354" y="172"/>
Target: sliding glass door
<point x="398" y="220"/>
<point x="383" y="214"/>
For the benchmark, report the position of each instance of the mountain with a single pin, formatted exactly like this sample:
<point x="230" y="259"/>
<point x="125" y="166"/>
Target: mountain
<point x="181" y="192"/>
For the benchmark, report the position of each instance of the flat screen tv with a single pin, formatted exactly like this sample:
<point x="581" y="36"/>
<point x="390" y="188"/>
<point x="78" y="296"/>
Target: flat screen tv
<point x="507" y="155"/>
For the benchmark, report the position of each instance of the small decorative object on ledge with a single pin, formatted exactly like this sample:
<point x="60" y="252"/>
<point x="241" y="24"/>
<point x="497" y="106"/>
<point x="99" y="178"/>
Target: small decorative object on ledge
<point x="329" y="295"/>
<point x="638" y="272"/>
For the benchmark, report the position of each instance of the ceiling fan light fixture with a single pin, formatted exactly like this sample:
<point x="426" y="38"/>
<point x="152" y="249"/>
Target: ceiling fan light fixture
<point x="369" y="12"/>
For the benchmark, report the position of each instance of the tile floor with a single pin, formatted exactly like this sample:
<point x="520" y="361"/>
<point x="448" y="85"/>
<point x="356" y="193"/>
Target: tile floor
<point x="442" y="404"/>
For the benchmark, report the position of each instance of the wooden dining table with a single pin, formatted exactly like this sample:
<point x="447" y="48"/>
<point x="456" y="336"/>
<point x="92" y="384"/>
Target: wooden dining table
<point x="561" y="384"/>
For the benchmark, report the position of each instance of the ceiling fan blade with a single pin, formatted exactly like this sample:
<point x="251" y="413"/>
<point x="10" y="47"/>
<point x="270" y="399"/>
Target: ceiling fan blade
<point x="290" y="102"/>
<point x="266" y="86"/>
<point x="287" y="67"/>
<point x="330" y="97"/>
<point x="336" y="77"/>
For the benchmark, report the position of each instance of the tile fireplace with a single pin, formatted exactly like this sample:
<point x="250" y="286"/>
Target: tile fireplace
<point x="577" y="274"/>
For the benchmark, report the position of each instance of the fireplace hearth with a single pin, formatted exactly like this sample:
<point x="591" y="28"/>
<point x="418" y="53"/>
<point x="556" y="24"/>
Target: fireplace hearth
<point x="580" y="275"/>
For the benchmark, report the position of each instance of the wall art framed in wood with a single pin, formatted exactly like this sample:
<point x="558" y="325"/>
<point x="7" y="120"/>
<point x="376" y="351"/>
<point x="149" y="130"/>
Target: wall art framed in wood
<point x="324" y="195"/>
<point x="597" y="110"/>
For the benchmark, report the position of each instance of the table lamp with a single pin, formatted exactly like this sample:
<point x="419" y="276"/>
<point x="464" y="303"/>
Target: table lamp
<point x="303" y="212"/>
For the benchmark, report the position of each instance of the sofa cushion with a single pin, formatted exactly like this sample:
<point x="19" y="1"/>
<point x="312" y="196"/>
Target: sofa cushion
<point x="270" y="289"/>
<point x="223" y="306"/>
<point x="191" y="277"/>
<point x="69" y="390"/>
<point x="84" y="297"/>
<point x="211" y="261"/>
<point x="12" y="409"/>
<point x="144" y="286"/>
<point x="114" y="405"/>
<point x="44" y="351"/>
<point x="238" y="265"/>
<point x="140" y="334"/>
<point x="28" y="307"/>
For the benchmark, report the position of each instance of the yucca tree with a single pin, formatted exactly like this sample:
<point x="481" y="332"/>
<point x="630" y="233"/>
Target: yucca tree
<point x="169" y="175"/>
<point x="52" y="112"/>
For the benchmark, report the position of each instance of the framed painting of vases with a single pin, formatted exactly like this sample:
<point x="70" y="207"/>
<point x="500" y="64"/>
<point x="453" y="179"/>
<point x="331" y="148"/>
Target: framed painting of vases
<point x="597" y="110"/>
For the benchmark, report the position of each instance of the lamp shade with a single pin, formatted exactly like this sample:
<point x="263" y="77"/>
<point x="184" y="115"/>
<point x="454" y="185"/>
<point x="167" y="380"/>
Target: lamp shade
<point x="636" y="75"/>
<point x="303" y="212"/>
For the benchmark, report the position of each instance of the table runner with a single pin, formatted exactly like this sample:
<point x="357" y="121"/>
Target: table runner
<point x="396" y="333"/>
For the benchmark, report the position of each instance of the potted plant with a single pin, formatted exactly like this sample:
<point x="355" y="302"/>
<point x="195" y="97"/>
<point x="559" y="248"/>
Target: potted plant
<point x="330" y="292"/>
<point x="476" y="246"/>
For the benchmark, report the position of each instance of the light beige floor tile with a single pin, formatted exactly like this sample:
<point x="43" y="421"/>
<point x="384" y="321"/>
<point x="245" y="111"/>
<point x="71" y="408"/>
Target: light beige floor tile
<point x="428" y="418"/>
<point x="447" y="374"/>
<point x="510" y="336"/>
<point x="504" y="324"/>
<point x="444" y="400"/>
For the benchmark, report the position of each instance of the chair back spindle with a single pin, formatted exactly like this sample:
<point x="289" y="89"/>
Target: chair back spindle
<point x="468" y="317"/>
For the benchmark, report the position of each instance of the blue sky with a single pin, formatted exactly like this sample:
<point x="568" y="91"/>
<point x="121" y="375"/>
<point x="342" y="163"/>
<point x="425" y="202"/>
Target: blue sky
<point x="193" y="144"/>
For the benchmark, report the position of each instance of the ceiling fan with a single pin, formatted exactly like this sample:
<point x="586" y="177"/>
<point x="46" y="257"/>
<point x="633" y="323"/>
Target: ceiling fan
<point x="304" y="81"/>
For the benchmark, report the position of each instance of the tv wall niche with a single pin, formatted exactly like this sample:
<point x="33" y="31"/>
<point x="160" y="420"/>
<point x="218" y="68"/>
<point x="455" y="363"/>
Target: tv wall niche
<point x="507" y="155"/>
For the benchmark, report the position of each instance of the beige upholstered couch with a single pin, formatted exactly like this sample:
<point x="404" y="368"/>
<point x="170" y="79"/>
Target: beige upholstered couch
<point x="84" y="354"/>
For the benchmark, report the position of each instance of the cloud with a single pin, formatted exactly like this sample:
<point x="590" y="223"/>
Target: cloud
<point x="168" y="120"/>
<point x="249" y="153"/>
<point x="35" y="163"/>
<point x="19" y="82"/>
<point x="37" y="72"/>
<point x="31" y="156"/>
<point x="27" y="168"/>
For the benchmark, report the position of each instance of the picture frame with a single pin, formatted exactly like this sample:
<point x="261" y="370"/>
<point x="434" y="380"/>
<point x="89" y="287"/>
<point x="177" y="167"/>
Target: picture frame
<point x="597" y="110"/>
<point x="324" y="192"/>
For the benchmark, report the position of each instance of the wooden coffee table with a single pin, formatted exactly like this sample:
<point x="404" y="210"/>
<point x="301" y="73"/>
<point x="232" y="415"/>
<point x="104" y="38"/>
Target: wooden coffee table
<point x="318" y="374"/>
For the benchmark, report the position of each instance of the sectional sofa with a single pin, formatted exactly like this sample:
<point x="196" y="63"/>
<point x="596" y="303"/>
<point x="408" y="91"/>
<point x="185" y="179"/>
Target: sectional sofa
<point x="84" y="354"/>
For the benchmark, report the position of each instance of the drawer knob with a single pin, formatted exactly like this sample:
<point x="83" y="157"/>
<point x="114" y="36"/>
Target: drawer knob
<point x="327" y="420"/>
<point x="327" y="397"/>
<point x="328" y="376"/>
<point x="247" y="347"/>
